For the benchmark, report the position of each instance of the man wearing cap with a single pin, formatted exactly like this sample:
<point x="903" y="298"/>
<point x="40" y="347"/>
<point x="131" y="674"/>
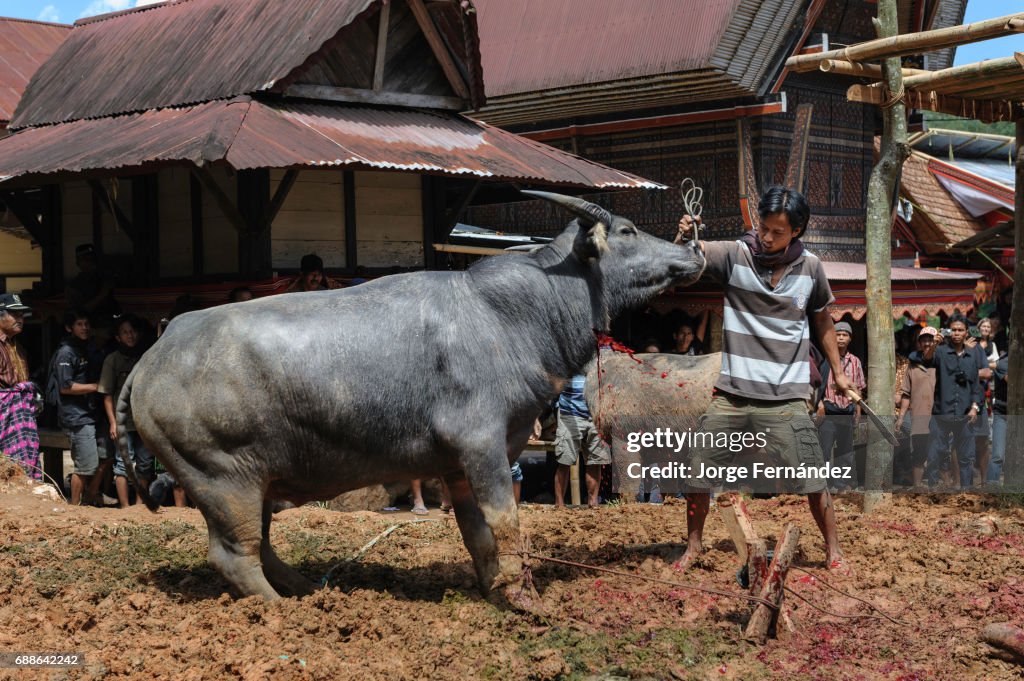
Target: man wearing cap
<point x="917" y="393"/>
<point x="19" y="439"/>
<point x="835" y="411"/>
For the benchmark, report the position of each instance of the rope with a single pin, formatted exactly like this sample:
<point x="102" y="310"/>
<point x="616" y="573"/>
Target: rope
<point x="894" y="99"/>
<point x="849" y="595"/>
<point x="657" y="580"/>
<point x="358" y="555"/>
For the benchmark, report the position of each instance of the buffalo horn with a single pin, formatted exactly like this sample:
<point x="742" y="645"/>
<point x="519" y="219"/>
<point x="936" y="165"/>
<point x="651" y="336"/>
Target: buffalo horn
<point x="591" y="212"/>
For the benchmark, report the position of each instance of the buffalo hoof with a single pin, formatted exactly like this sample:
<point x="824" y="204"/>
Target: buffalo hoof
<point x="524" y="598"/>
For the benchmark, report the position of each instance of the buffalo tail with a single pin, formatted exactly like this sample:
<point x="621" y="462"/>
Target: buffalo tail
<point x="121" y="412"/>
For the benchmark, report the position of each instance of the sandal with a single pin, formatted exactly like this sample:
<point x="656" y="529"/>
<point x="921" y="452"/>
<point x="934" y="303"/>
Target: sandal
<point x="420" y="509"/>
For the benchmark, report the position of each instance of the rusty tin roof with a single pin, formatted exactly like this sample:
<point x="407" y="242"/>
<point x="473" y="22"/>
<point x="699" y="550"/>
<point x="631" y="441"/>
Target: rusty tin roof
<point x="245" y="133"/>
<point x="546" y="59"/>
<point x="24" y="45"/>
<point x="185" y="52"/>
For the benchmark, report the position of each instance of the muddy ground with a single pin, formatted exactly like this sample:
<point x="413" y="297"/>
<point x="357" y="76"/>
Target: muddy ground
<point x="132" y="591"/>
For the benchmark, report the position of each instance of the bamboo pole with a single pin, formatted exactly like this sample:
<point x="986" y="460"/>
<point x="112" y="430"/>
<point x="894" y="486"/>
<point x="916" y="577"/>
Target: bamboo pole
<point x="969" y="88"/>
<point x="849" y="68"/>
<point x="966" y="73"/>
<point x="883" y="186"/>
<point x="1013" y="467"/>
<point x="985" y="110"/>
<point x="979" y="75"/>
<point x="913" y="43"/>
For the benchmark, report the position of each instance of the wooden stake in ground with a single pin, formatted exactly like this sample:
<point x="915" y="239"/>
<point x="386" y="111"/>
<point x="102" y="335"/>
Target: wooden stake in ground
<point x="761" y="620"/>
<point x="737" y="522"/>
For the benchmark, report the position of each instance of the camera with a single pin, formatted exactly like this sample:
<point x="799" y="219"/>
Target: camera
<point x="960" y="377"/>
<point x="945" y="333"/>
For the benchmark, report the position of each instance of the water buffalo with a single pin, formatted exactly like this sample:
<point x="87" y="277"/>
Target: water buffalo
<point x="304" y="396"/>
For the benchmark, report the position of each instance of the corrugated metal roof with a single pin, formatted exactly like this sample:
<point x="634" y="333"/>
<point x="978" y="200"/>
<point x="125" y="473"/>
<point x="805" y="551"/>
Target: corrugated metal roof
<point x="584" y="57"/>
<point x="543" y="44"/>
<point x="249" y="134"/>
<point x="190" y="51"/>
<point x="24" y="45"/>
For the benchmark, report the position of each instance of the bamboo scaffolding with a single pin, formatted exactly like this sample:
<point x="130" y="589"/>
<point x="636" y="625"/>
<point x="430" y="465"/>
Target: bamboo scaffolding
<point x="913" y="43"/>
<point x="849" y="68"/>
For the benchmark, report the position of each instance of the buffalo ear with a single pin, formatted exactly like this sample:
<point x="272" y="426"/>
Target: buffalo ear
<point x="592" y="242"/>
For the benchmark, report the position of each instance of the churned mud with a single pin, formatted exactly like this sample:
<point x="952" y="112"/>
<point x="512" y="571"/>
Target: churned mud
<point x="132" y="591"/>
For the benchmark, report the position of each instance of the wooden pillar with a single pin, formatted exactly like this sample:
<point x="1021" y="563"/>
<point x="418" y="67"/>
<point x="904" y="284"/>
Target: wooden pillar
<point x="883" y="188"/>
<point x="254" y="247"/>
<point x="430" y="189"/>
<point x="53" y="248"/>
<point x="145" y="220"/>
<point x="351" y="244"/>
<point x="1013" y="467"/>
<point x="195" y="202"/>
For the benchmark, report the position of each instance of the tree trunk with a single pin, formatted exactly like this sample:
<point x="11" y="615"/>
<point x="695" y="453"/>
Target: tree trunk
<point x="1013" y="466"/>
<point x="882" y="191"/>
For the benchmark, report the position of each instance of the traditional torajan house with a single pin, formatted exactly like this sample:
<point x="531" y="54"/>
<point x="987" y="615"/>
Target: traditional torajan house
<point x="200" y="143"/>
<point x="24" y="45"/>
<point x="671" y="90"/>
<point x="960" y="186"/>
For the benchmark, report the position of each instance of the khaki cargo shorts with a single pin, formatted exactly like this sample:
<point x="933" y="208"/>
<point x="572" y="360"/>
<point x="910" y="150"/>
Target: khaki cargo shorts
<point x="575" y="435"/>
<point x="784" y="429"/>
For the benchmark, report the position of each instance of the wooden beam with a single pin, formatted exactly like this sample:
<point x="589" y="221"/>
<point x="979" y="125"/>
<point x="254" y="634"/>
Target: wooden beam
<point x="1013" y="466"/>
<point x="28" y="219"/>
<point x="107" y="201"/>
<point x="358" y="96"/>
<point x="849" y="68"/>
<point x="914" y="43"/>
<point x="469" y="250"/>
<point x="195" y="195"/>
<point x="985" y="110"/>
<point x="348" y="187"/>
<point x="451" y="71"/>
<point x="382" y="45"/>
<point x="281" y="194"/>
<point x="226" y="205"/>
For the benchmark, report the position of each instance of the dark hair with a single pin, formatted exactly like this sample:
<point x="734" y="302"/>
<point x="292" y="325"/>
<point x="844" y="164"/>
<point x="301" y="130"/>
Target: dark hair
<point x="73" y="315"/>
<point x="233" y="295"/>
<point x="311" y="263"/>
<point x="125" y="318"/>
<point x="788" y="201"/>
<point x="957" y="317"/>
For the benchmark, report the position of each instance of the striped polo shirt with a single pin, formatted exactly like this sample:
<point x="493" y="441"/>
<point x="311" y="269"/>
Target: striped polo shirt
<point x="766" y="331"/>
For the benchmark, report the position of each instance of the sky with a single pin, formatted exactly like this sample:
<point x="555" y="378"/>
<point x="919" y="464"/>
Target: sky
<point x="64" y="11"/>
<point x="67" y="11"/>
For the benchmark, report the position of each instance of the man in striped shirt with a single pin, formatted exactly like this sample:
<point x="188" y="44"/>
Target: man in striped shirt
<point x="775" y="292"/>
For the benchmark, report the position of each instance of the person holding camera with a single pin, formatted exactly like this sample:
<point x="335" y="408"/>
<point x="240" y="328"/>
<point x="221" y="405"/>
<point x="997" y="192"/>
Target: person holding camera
<point x="958" y="400"/>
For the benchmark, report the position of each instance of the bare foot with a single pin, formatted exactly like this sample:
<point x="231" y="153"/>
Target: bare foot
<point x="838" y="565"/>
<point x="684" y="563"/>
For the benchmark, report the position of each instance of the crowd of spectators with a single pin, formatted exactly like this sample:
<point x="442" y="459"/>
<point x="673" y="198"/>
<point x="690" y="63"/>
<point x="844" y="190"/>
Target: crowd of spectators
<point x="950" y="401"/>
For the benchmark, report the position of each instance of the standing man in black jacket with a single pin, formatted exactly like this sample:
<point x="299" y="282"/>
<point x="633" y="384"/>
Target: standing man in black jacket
<point x="957" y="403"/>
